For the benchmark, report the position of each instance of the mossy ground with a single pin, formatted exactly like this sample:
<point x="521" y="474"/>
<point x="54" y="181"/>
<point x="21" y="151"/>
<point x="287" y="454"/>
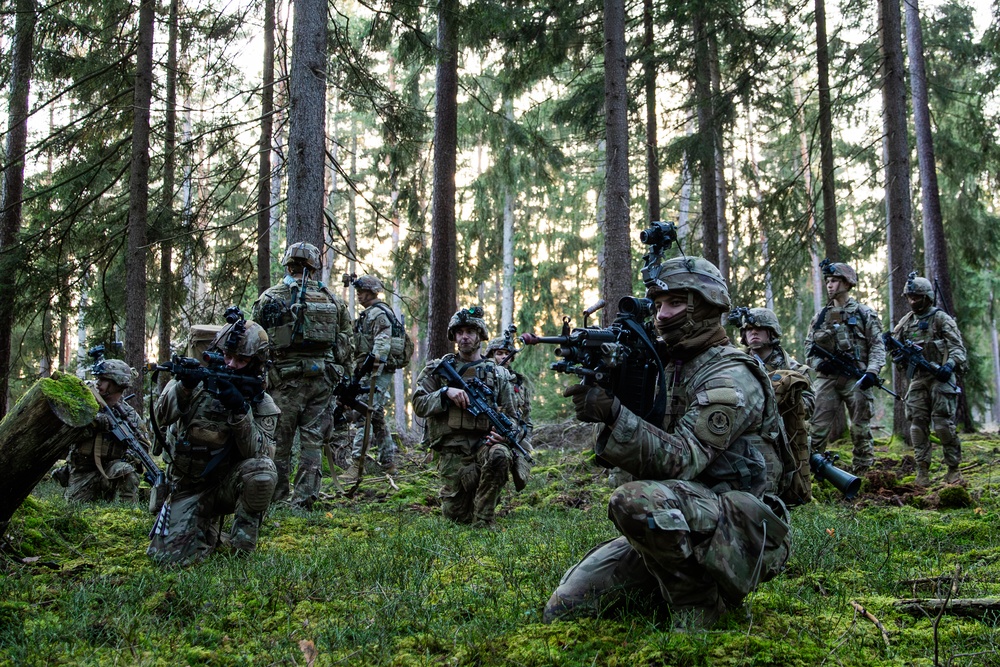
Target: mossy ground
<point x="384" y="580"/>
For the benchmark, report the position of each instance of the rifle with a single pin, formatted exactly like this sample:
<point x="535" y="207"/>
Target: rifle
<point x="622" y="358"/>
<point x="913" y="355"/>
<point x="299" y="307"/>
<point x="845" y="366"/>
<point x="478" y="394"/>
<point x="349" y="389"/>
<point x="250" y="386"/>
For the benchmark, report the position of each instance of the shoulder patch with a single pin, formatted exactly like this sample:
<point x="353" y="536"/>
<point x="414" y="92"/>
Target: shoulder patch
<point x="719" y="422"/>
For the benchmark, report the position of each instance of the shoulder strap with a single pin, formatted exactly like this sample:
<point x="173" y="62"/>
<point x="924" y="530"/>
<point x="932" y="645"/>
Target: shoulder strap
<point x="820" y="318"/>
<point x="384" y="307"/>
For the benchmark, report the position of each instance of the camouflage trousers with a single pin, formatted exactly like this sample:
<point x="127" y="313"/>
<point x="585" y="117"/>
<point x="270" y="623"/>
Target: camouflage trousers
<point x="932" y="404"/>
<point x="87" y="484"/>
<point x="303" y="402"/>
<point x="380" y="436"/>
<point x="698" y="549"/>
<point x="189" y="525"/>
<point x="831" y="394"/>
<point x="471" y="483"/>
<point x="337" y="439"/>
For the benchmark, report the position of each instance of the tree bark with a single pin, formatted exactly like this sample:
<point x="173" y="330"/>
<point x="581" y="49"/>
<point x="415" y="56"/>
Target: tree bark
<point x="442" y="298"/>
<point x="38" y="432"/>
<point x="652" y="148"/>
<point x="12" y="194"/>
<point x="706" y="140"/>
<point x="264" y="166"/>
<point x="166" y="221"/>
<point x="618" y="269"/>
<point x="831" y="244"/>
<point x="135" y="262"/>
<point x="306" y="133"/>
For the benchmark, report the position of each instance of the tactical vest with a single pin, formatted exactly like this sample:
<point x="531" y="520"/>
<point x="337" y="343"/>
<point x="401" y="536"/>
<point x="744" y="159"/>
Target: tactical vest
<point x="925" y="331"/>
<point x="204" y="441"/>
<point x="320" y="322"/>
<point x="844" y="329"/>
<point x="459" y="421"/>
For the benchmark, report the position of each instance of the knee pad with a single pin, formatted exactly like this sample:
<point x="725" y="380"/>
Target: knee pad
<point x="259" y="478"/>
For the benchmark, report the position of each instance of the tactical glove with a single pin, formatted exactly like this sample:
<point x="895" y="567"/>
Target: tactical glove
<point x="102" y="422"/>
<point x="943" y="373"/>
<point x="593" y="404"/>
<point x="868" y="380"/>
<point x="232" y="399"/>
<point x="826" y="367"/>
<point x="189" y="382"/>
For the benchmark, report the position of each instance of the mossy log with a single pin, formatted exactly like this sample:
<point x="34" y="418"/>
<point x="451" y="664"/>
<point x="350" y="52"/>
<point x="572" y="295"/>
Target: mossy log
<point x="969" y="607"/>
<point x="37" y="433"/>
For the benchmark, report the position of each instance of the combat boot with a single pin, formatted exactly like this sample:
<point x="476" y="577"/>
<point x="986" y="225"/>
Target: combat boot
<point x="953" y="476"/>
<point x="389" y="467"/>
<point x="923" y="478"/>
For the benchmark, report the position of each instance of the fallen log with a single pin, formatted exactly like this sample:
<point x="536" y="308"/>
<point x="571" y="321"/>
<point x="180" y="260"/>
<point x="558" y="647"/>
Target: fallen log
<point x="37" y="433"/>
<point x="969" y="607"/>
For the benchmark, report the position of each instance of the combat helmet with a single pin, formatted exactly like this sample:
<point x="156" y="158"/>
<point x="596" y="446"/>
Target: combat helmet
<point x="370" y="283"/>
<point x="468" y="317"/>
<point x="303" y="253"/>
<point x="501" y="343"/>
<point x="244" y="337"/>
<point x="761" y="318"/>
<point x="918" y="286"/>
<point x="690" y="273"/>
<point x="117" y="371"/>
<point x="839" y="270"/>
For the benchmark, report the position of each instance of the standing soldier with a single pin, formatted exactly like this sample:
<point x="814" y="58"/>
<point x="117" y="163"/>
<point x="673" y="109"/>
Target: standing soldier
<point x="99" y="467"/>
<point x="310" y="332"/>
<point x="473" y="460"/>
<point x="220" y="461"/>
<point x="852" y="331"/>
<point x="373" y="335"/>
<point x="930" y="399"/>
<point x="501" y="350"/>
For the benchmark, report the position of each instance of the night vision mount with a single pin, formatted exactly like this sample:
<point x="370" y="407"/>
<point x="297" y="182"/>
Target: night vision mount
<point x="659" y="237"/>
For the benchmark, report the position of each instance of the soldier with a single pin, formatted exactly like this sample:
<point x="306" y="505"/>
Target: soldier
<point x="930" y="399"/>
<point x="309" y="328"/>
<point x="373" y="335"/>
<point x="698" y="525"/>
<point x="99" y="467"/>
<point x="220" y="462"/>
<point x="501" y="351"/>
<point x="852" y="330"/>
<point x="473" y="460"/>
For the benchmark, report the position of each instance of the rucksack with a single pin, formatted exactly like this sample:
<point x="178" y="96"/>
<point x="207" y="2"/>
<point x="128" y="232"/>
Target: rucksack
<point x="401" y="345"/>
<point x="788" y="386"/>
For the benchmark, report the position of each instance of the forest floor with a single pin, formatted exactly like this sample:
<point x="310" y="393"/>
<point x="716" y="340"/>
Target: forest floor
<point x="384" y="580"/>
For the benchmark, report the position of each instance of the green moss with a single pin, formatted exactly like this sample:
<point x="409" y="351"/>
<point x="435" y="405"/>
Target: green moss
<point x="71" y="395"/>
<point x="951" y="497"/>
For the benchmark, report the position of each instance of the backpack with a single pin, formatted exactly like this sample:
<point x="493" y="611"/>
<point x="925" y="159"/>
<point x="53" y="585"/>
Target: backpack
<point x="788" y="386"/>
<point x="401" y="345"/>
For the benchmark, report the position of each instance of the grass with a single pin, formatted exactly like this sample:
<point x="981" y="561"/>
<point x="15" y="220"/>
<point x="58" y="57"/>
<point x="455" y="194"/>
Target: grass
<point x="384" y="580"/>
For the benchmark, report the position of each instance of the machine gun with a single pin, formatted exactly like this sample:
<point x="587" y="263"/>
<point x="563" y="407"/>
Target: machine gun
<point x="621" y="358"/>
<point x="845" y="365"/>
<point x="913" y="356"/>
<point x="349" y="389"/>
<point x="480" y="397"/>
<point x="822" y="466"/>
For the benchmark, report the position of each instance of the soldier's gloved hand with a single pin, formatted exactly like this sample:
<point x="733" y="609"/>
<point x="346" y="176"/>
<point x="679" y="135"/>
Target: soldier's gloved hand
<point x="593" y="404"/>
<point x="868" y="380"/>
<point x="898" y="356"/>
<point x="231" y="398"/>
<point x="102" y="422"/>
<point x="942" y="374"/>
<point x="189" y="382"/>
<point x="826" y="368"/>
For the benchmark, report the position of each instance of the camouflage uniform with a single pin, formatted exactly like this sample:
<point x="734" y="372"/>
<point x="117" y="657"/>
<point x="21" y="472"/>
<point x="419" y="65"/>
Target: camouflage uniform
<point x="220" y="464"/>
<point x="853" y="329"/>
<point x="373" y="334"/>
<point x="99" y="467"/>
<point x="310" y="356"/>
<point x="698" y="524"/>
<point x="929" y="401"/>
<point x="522" y="391"/>
<point x="472" y="475"/>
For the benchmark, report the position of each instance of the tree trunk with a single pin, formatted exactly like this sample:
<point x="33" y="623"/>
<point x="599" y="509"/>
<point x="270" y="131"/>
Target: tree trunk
<point x="135" y="262"/>
<point x="442" y="298"/>
<point x="618" y="270"/>
<point x="38" y="432"/>
<point x="815" y="279"/>
<point x="899" y="228"/>
<point x="166" y="218"/>
<point x="12" y="194"/>
<point x="264" y="167"/>
<point x="652" y="149"/>
<point x="720" y="162"/>
<point x="306" y="133"/>
<point x="831" y="245"/>
<point x="995" y="348"/>
<point x="706" y="140"/>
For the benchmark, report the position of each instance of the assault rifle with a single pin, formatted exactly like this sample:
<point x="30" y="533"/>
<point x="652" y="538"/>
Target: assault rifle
<point x="913" y="356"/>
<point x="480" y="397"/>
<point x="250" y="386"/>
<point x="622" y="358"/>
<point x="349" y="389"/>
<point x="844" y="365"/>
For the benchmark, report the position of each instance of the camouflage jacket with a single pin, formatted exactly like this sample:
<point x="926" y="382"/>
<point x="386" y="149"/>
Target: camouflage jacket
<point x="323" y="331"/>
<point x="82" y="453"/>
<point x="372" y="333"/>
<point x="937" y="333"/>
<point x="853" y="329"/>
<point x="778" y="360"/>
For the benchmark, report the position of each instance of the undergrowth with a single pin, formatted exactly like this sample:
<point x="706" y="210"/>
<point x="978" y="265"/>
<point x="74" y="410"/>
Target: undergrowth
<point x="384" y="580"/>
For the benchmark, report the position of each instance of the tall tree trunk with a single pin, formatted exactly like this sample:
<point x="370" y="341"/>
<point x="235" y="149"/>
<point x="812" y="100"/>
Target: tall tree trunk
<point x="652" y="148"/>
<point x="12" y="193"/>
<point x="138" y="209"/>
<point x="264" y="167"/>
<point x="995" y="347"/>
<point x="815" y="278"/>
<point x="720" y="162"/>
<point x="507" y="287"/>
<point x="899" y="228"/>
<point x="935" y="249"/>
<point x="618" y="269"/>
<point x="706" y="139"/>
<point x="306" y="133"/>
<point x="831" y="245"/>
<point x="166" y="218"/>
<point x="442" y="299"/>
<point x="765" y="246"/>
